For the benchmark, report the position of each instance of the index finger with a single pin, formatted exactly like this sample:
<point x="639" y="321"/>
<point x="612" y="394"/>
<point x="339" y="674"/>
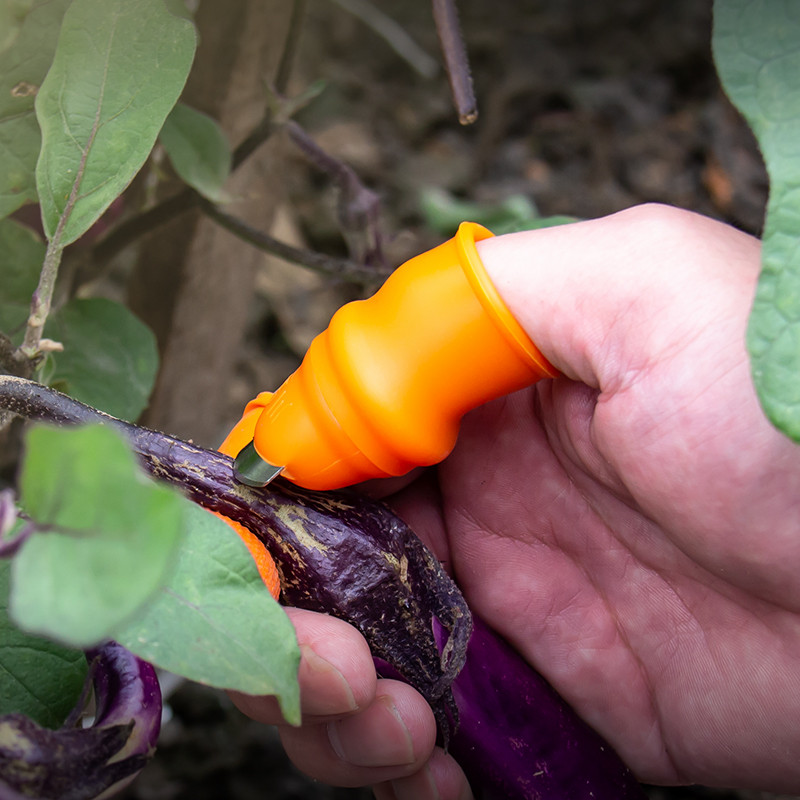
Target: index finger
<point x="337" y="676"/>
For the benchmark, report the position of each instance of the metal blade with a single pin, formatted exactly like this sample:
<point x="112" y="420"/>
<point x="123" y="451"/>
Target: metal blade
<point x="251" y="470"/>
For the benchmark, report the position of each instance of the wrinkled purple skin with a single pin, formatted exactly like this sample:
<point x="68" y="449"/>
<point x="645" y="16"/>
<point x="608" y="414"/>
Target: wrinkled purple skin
<point x="351" y="557"/>
<point x="72" y="763"/>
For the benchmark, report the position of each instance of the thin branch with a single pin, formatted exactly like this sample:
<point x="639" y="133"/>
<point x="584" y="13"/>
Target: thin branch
<point x="454" y="51"/>
<point x="319" y="262"/>
<point x="290" y="46"/>
<point x="358" y="208"/>
<point x="43" y="295"/>
<point x="394" y="35"/>
<point x="144" y="222"/>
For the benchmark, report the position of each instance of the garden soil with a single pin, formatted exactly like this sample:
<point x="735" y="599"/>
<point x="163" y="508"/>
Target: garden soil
<point x="584" y="108"/>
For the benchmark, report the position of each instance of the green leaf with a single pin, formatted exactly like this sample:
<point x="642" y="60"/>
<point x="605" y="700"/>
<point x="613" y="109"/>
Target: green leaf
<point x="119" y="68"/>
<point x="38" y="678"/>
<point x="444" y="212"/>
<point x="757" y="52"/>
<point x="110" y="358"/>
<point x="215" y="622"/>
<point x="106" y="537"/>
<point x="23" y="66"/>
<point x="198" y="150"/>
<point x="21" y="256"/>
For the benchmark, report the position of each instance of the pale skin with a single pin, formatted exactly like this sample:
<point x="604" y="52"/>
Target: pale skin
<point x="633" y="527"/>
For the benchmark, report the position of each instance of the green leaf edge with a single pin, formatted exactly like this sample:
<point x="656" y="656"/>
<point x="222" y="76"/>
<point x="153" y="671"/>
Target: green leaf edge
<point x="773" y="332"/>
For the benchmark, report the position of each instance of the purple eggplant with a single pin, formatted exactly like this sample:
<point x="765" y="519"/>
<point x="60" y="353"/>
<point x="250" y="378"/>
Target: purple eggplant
<point x="518" y="740"/>
<point x="354" y="558"/>
<point x="332" y="551"/>
<point x="75" y="763"/>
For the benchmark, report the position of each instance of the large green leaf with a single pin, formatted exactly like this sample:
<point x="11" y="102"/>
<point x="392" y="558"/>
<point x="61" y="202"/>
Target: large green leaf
<point x="757" y="53"/>
<point x="23" y="65"/>
<point x="215" y="622"/>
<point x="38" y="678"/>
<point x="106" y="535"/>
<point x="21" y="255"/>
<point x="119" y="68"/>
<point x="110" y="358"/>
<point x="198" y="150"/>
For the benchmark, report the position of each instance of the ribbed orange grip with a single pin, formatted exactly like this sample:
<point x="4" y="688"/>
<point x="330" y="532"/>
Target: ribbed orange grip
<point x="383" y="389"/>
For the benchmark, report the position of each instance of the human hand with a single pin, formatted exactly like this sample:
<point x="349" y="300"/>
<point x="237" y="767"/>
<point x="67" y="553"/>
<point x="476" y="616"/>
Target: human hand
<point x="632" y="528"/>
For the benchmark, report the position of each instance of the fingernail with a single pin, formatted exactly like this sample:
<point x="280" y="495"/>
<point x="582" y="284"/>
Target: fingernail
<point x="325" y="690"/>
<point x="378" y="737"/>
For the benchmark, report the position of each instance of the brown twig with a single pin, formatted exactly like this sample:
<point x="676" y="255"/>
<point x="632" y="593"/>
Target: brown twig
<point x="393" y="34"/>
<point x="290" y="46"/>
<point x="456" y="62"/>
<point x="144" y="222"/>
<point x="319" y="262"/>
<point x="358" y="208"/>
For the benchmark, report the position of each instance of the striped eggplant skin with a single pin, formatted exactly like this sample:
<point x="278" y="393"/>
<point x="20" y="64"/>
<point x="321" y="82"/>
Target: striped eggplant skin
<point x="92" y="763"/>
<point x="339" y="554"/>
<point x="352" y="557"/>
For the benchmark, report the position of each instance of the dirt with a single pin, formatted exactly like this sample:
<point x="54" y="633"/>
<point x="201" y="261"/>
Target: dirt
<point x="585" y="108"/>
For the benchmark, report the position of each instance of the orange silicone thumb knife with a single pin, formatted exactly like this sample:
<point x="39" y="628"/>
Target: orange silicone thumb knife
<point x="383" y="389"/>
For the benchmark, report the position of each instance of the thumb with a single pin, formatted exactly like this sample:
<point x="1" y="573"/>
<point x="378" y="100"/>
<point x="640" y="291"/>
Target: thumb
<point x="606" y="298"/>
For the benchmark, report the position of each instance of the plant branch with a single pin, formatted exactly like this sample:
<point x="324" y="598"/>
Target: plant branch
<point x="144" y="222"/>
<point x="358" y="208"/>
<point x="454" y="51"/>
<point x="319" y="262"/>
<point x="393" y="34"/>
<point x="290" y="46"/>
<point x="43" y="295"/>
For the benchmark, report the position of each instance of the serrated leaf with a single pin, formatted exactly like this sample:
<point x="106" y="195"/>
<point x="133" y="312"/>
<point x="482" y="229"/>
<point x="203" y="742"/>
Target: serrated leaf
<point x="118" y="70"/>
<point x="215" y="623"/>
<point x="21" y="256"/>
<point x="198" y="150"/>
<point x="38" y="678"/>
<point x="23" y="66"/>
<point x="106" y="535"/>
<point x="110" y="357"/>
<point x="757" y="52"/>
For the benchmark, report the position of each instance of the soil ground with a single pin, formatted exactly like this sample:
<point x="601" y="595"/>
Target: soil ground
<point x="585" y="108"/>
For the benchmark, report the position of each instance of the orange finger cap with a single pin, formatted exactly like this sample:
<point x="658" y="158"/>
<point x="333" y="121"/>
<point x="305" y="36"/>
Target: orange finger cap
<point x="383" y="389"/>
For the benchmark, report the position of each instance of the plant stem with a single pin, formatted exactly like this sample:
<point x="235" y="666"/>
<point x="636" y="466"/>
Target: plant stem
<point x="319" y="262"/>
<point x="131" y="229"/>
<point x="394" y="35"/>
<point x="43" y="296"/>
<point x="455" y="58"/>
<point x="358" y="208"/>
<point x="290" y="46"/>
